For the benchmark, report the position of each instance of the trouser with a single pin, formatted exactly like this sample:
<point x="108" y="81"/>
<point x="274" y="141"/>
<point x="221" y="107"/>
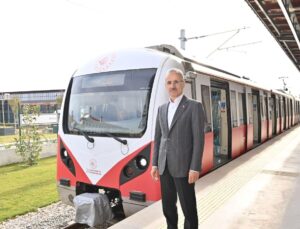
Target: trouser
<point x="170" y="186"/>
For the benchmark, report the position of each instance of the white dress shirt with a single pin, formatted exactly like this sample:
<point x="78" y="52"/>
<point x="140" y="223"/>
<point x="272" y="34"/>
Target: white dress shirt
<point x="172" y="108"/>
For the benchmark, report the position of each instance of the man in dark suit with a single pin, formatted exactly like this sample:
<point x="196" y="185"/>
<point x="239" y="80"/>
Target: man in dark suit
<point x="178" y="149"/>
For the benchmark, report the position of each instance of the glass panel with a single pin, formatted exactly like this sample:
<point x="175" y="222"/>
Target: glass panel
<point x="263" y="108"/>
<point x="241" y="110"/>
<point x="116" y="104"/>
<point x="250" y="108"/>
<point x="255" y="100"/>
<point x="220" y="125"/>
<point x="281" y="106"/>
<point x="206" y="104"/>
<point x="233" y="109"/>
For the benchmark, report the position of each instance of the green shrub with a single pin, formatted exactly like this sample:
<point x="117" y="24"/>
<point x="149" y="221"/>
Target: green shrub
<point x="28" y="144"/>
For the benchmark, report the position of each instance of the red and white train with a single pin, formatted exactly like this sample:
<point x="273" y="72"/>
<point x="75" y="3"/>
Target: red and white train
<point x="107" y="124"/>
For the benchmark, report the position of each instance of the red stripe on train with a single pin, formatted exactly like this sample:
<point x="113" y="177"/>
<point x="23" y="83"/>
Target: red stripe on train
<point x="64" y="172"/>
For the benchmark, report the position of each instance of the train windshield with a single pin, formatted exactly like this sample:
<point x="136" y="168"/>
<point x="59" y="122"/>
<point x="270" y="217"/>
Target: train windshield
<point x="111" y="102"/>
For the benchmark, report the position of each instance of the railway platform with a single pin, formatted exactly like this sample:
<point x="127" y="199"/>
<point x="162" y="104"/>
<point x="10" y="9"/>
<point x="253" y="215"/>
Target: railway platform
<point x="260" y="189"/>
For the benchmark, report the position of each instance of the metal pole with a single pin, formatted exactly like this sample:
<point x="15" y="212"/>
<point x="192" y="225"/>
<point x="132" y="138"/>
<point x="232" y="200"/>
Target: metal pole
<point x="182" y="39"/>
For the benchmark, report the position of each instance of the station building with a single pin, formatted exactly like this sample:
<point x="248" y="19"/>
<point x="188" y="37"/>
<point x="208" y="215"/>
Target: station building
<point x="48" y="100"/>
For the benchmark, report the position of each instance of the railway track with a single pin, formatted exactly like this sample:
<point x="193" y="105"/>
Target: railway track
<point x="73" y="225"/>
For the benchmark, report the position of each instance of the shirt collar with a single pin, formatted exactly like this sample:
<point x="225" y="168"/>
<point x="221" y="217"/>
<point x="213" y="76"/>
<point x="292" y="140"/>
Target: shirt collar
<point x="177" y="100"/>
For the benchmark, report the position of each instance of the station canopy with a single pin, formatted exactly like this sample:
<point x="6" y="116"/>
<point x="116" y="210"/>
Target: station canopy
<point x="282" y="18"/>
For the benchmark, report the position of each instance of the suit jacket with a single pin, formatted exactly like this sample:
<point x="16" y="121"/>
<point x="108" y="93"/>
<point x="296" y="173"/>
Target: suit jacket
<point x="181" y="146"/>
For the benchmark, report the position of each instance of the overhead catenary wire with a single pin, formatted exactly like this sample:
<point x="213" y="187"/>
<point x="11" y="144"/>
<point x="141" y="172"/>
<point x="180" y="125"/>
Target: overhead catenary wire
<point x="184" y="39"/>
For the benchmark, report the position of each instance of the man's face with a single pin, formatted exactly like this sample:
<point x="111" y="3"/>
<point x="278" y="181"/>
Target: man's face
<point x="174" y="85"/>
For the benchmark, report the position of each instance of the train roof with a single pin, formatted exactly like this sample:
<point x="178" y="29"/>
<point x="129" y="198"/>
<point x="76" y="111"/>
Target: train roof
<point x="187" y="57"/>
<point x="119" y="60"/>
<point x="283" y="93"/>
<point x="153" y="57"/>
<point x="211" y="70"/>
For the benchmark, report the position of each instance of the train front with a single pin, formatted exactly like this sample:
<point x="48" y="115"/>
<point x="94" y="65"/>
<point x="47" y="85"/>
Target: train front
<point x="105" y="138"/>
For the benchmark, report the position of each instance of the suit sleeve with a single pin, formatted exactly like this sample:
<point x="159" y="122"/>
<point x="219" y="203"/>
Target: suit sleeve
<point x="157" y="138"/>
<point x="198" y="119"/>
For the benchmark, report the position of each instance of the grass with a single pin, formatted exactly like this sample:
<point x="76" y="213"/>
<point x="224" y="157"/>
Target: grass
<point x="11" y="138"/>
<point x="24" y="189"/>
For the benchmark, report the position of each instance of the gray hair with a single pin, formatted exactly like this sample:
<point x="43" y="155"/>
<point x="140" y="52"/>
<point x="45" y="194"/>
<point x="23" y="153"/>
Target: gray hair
<point x="177" y="71"/>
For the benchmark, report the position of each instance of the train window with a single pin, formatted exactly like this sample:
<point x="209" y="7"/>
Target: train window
<point x="206" y="104"/>
<point x="250" y="108"/>
<point x="234" y="120"/>
<point x="241" y="111"/>
<point x="117" y="104"/>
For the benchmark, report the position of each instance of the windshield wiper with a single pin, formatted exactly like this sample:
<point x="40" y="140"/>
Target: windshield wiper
<point x="123" y="141"/>
<point x="91" y="140"/>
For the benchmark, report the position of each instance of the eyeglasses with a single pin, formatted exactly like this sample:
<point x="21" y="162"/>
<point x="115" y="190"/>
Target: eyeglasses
<point x="176" y="82"/>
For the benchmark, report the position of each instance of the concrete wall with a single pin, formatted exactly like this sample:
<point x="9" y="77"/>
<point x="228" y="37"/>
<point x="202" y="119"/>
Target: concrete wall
<point x="8" y="156"/>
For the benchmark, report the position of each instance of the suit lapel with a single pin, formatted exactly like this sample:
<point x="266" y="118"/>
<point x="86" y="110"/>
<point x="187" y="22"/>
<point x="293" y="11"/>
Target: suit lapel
<point x="180" y="109"/>
<point x="165" y="116"/>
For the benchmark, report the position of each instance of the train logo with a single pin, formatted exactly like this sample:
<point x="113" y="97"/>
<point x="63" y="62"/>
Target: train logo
<point x="105" y="62"/>
<point x="93" y="163"/>
<point x="93" y="167"/>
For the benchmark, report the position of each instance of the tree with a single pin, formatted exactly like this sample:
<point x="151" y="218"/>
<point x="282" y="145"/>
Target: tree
<point x="58" y="101"/>
<point x="14" y="105"/>
<point x="28" y="145"/>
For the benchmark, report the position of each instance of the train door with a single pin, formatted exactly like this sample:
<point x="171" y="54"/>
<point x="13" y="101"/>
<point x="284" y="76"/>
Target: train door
<point x="277" y="107"/>
<point x="221" y="122"/>
<point x="284" y="115"/>
<point x="203" y="94"/>
<point x="295" y="112"/>
<point x="273" y="114"/>
<point x="238" y="119"/>
<point x="249" y="119"/>
<point x="243" y="117"/>
<point x="264" y="120"/>
<point x="269" y="114"/>
<point x="287" y="112"/>
<point x="256" y="118"/>
<point x="291" y="112"/>
<point x="292" y="105"/>
<point x="298" y="112"/>
<point x="281" y="113"/>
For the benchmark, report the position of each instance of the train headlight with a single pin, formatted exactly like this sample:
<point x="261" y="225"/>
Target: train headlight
<point x="128" y="171"/>
<point x="141" y="162"/>
<point x="65" y="153"/>
<point x="136" y="166"/>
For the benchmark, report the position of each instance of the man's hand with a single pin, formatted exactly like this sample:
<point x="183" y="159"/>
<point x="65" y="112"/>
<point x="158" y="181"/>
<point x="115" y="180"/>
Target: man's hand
<point x="154" y="173"/>
<point x="193" y="176"/>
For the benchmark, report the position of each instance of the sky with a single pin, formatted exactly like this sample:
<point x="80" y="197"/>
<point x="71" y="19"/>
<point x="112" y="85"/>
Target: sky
<point x="43" y="42"/>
